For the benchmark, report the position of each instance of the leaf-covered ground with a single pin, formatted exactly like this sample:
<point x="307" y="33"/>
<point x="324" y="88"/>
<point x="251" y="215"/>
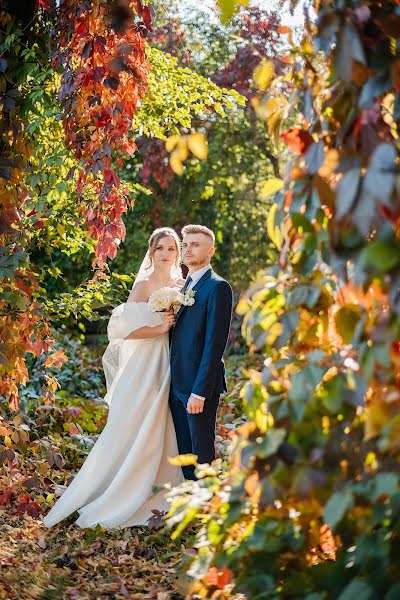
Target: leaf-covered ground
<point x="67" y="562"/>
<point x="41" y="448"/>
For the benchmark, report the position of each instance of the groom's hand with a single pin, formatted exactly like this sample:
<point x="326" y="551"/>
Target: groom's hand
<point x="195" y="405"/>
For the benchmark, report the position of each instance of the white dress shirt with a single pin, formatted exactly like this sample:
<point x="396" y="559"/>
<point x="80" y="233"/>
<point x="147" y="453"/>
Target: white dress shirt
<point x="195" y="278"/>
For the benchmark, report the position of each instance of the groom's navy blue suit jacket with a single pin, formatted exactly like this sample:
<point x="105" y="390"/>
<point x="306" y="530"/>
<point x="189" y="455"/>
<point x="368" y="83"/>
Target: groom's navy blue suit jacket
<point x="199" y="338"/>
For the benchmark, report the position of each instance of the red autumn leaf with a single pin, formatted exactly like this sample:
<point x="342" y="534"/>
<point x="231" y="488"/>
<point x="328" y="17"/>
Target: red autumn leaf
<point x="297" y="139"/>
<point x="46" y="4"/>
<point x="147" y="17"/>
<point x="56" y="360"/>
<point x="395" y="71"/>
<point x="73" y="430"/>
<point x="13" y="402"/>
<point x="391" y="215"/>
<point x="111" y="178"/>
<point x="219" y="578"/>
<point x="24" y="498"/>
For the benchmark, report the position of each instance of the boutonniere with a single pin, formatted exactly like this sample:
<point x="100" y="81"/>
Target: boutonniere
<point x="188" y="298"/>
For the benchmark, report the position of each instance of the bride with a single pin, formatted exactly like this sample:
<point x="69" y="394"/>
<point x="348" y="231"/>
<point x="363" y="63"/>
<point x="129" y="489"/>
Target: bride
<point x="114" y="486"/>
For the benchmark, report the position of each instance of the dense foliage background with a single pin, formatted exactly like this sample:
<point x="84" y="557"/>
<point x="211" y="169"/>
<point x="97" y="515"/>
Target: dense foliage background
<point x="310" y="505"/>
<point x="116" y="120"/>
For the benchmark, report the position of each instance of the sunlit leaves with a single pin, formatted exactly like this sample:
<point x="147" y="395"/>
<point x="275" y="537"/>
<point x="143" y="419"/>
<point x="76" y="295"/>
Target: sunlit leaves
<point x="183" y="460"/>
<point x="176" y="95"/>
<point x="275" y="232"/>
<point x="198" y="146"/>
<point x="100" y="106"/>
<point x="271" y="187"/>
<point x="229" y="7"/>
<point x="263" y="74"/>
<point x="57" y="359"/>
<point x="179" y="147"/>
<point x="346" y="320"/>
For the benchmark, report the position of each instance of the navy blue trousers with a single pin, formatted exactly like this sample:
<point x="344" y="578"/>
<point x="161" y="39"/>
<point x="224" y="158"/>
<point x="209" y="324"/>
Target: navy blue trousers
<point x="195" y="434"/>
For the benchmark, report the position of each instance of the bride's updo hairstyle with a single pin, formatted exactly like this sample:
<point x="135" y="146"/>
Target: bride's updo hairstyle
<point x="155" y="238"/>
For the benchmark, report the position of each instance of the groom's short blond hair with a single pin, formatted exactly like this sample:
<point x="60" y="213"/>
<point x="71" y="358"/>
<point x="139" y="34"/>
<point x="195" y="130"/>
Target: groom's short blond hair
<point x="199" y="229"/>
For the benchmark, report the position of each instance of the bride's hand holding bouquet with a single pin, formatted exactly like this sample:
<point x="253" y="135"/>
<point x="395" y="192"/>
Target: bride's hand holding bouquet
<point x="168" y="300"/>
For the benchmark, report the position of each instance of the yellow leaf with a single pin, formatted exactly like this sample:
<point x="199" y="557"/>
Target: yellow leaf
<point x="251" y="484"/>
<point x="50" y="499"/>
<point x="274" y="124"/>
<point x="198" y="146"/>
<point x="229" y="7"/>
<point x="183" y="460"/>
<point x="272" y="104"/>
<point x="171" y="142"/>
<point x="242" y="306"/>
<point x="263" y="74"/>
<point x="60" y="229"/>
<point x="330" y="163"/>
<point x="326" y="194"/>
<point x="307" y="46"/>
<point x="182" y="149"/>
<point x="7" y="441"/>
<point x="176" y="163"/>
<point x="273" y="230"/>
<point x="271" y="186"/>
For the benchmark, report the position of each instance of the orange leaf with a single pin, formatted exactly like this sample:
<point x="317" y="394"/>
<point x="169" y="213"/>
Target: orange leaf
<point x="218" y="577"/>
<point x="56" y="360"/>
<point x="297" y="139"/>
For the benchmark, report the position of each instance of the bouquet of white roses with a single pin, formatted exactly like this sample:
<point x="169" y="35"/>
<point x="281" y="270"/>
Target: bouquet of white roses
<point x="165" y="298"/>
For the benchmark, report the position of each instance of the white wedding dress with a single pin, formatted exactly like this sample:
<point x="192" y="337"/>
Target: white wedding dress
<point x="114" y="486"/>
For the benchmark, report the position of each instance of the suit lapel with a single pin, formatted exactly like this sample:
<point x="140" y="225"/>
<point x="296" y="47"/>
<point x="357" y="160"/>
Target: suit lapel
<point x="195" y="288"/>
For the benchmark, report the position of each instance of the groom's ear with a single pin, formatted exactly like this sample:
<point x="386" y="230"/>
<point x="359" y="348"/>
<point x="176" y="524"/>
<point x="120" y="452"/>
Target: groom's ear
<point x="211" y="251"/>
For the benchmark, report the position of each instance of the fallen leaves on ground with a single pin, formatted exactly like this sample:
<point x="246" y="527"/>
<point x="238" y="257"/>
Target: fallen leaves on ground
<point x="41" y="451"/>
<point x="68" y="562"/>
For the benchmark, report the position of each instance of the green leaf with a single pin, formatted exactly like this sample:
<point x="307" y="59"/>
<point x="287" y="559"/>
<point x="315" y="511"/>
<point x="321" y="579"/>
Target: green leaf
<point x="394" y="592"/>
<point x="315" y="157"/>
<point x="347" y="192"/>
<point x="337" y="506"/>
<point x="215" y="532"/>
<point x="332" y="394"/>
<point x="385" y="484"/>
<point x="356" y="589"/>
<point x="271" y="442"/>
<point x="380" y="256"/>
<point x="376" y="187"/>
<point x="348" y="48"/>
<point x="303" y="386"/>
<point x="346" y="320"/>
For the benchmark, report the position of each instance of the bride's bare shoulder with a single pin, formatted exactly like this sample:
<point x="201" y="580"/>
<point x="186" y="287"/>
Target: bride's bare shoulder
<point x="140" y="292"/>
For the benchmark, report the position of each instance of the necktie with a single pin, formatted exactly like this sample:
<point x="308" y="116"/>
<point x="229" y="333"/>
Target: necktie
<point x="186" y="285"/>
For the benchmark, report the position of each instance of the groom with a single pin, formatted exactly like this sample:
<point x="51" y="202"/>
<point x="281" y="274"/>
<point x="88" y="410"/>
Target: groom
<point x="198" y="341"/>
